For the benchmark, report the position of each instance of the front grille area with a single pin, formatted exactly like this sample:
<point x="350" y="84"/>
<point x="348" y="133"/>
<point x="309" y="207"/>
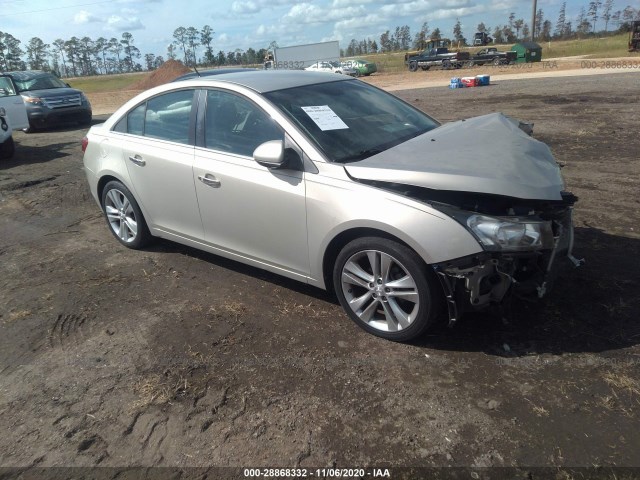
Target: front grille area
<point x="64" y="101"/>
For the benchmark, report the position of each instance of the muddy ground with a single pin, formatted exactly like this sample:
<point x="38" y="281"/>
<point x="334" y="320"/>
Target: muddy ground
<point x="174" y="357"/>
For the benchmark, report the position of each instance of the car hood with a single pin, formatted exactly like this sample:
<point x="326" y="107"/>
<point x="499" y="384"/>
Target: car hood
<point x="487" y="154"/>
<point x="51" y="92"/>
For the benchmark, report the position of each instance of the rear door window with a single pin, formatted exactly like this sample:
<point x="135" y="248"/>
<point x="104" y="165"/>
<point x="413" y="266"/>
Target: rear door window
<point x="165" y="117"/>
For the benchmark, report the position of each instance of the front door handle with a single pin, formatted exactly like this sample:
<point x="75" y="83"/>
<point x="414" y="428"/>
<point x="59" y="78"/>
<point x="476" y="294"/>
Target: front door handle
<point x="137" y="159"/>
<point x="209" y="180"/>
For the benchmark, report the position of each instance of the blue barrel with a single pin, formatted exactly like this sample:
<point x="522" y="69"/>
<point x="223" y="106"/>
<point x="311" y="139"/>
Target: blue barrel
<point x="482" y="80"/>
<point x="455" y="83"/>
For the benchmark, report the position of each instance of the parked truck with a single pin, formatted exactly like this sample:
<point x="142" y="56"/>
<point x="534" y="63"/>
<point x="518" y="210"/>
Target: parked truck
<point x="482" y="38"/>
<point x="493" y="56"/>
<point x="437" y="57"/>
<point x="299" y="57"/>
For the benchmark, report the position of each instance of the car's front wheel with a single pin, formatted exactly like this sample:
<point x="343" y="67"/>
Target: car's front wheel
<point x="386" y="288"/>
<point x="124" y="216"/>
<point x="7" y="148"/>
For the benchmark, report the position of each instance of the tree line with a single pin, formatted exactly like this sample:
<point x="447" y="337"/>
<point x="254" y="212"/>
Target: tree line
<point x="85" y="56"/>
<point x="75" y="56"/>
<point x="595" y="14"/>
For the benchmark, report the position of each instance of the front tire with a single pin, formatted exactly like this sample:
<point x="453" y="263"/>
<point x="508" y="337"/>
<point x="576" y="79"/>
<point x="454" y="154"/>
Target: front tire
<point x="7" y="148"/>
<point x="124" y="216"/>
<point x="386" y="288"/>
<point x="413" y="66"/>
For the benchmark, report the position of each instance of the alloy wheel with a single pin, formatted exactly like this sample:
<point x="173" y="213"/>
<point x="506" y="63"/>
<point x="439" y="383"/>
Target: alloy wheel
<point x="380" y="290"/>
<point x="121" y="215"/>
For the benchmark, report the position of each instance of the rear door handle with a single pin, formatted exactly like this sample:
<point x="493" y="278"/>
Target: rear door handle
<point x="209" y="180"/>
<point x="137" y="159"/>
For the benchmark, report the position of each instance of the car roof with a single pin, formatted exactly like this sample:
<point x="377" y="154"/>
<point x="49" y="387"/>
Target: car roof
<point x="213" y="71"/>
<point x="26" y="74"/>
<point x="264" y="81"/>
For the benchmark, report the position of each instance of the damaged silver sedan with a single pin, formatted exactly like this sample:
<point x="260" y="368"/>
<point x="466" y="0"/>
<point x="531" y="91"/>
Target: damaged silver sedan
<point x="337" y="184"/>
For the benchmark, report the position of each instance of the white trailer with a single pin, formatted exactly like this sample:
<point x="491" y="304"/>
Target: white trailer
<point x="301" y="56"/>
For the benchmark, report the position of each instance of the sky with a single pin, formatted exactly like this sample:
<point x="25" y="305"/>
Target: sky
<point x="240" y="24"/>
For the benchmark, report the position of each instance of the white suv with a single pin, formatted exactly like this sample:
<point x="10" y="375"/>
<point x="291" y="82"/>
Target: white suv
<point x="13" y="115"/>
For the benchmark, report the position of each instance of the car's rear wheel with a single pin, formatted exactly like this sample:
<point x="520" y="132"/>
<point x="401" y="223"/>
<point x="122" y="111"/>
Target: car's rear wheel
<point x="31" y="128"/>
<point x="497" y="61"/>
<point x="386" y="288"/>
<point x="413" y="66"/>
<point x="7" y="148"/>
<point x="124" y="216"/>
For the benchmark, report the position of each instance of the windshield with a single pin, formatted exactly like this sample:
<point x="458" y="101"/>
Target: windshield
<point x="351" y="120"/>
<point x="44" y="81"/>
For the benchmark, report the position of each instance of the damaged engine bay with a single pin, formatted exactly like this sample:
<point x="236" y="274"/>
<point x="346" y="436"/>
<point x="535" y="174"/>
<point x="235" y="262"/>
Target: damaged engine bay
<point x="482" y="280"/>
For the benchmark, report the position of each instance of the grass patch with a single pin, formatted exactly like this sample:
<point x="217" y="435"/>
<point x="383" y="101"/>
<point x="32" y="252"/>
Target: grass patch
<point x="614" y="46"/>
<point x="105" y="83"/>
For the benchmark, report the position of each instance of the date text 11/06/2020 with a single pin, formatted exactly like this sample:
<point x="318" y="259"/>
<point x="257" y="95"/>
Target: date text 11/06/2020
<point x="318" y="472"/>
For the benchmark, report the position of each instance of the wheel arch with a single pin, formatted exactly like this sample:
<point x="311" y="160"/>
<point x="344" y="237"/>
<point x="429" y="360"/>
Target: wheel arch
<point x="338" y="242"/>
<point x="111" y="176"/>
<point x="103" y="182"/>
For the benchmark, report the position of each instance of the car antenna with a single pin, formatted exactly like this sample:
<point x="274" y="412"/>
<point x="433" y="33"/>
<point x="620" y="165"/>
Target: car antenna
<point x="194" y="67"/>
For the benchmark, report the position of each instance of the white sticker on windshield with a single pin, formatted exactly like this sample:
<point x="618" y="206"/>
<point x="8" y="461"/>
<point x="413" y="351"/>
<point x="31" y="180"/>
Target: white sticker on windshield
<point x="325" y="118"/>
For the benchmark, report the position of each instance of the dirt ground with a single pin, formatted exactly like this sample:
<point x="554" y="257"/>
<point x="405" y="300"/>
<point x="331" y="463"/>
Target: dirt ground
<point x="177" y="358"/>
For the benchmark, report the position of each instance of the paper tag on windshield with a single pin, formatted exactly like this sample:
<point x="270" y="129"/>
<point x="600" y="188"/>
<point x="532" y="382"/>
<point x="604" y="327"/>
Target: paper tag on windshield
<point x="325" y="118"/>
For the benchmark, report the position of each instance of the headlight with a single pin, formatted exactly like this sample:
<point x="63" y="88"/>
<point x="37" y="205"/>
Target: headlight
<point x="504" y="234"/>
<point x="511" y="234"/>
<point x="33" y="100"/>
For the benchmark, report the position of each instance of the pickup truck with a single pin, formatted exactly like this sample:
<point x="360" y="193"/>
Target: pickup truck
<point x="493" y="56"/>
<point x="437" y="57"/>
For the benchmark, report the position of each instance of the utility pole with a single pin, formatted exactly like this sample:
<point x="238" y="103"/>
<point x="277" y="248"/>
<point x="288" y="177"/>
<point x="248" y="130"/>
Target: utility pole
<point x="533" y="21"/>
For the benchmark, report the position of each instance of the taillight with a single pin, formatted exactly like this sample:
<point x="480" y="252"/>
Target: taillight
<point x="85" y="144"/>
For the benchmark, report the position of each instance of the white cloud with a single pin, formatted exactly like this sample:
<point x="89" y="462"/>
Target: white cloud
<point x="360" y="22"/>
<point x="307" y="13"/>
<point x="120" y="24"/>
<point x="242" y="7"/>
<point x="348" y="3"/>
<point x="84" y="17"/>
<point x="443" y="14"/>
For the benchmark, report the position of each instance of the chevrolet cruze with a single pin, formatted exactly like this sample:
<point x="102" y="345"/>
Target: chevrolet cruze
<point x="335" y="183"/>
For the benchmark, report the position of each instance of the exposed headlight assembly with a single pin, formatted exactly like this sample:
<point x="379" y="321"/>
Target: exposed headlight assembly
<point x="510" y="234"/>
<point x="504" y="234"/>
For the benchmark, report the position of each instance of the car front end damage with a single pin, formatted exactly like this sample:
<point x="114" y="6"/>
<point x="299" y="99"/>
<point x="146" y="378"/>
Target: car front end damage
<point x="525" y="243"/>
<point x="522" y="257"/>
<point x="504" y="187"/>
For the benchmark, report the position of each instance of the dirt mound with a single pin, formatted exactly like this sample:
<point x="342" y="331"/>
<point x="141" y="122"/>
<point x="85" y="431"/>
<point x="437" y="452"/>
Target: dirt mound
<point x="168" y="71"/>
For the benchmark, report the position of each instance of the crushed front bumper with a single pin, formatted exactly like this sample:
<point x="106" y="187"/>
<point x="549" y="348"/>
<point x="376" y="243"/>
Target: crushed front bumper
<point x="479" y="281"/>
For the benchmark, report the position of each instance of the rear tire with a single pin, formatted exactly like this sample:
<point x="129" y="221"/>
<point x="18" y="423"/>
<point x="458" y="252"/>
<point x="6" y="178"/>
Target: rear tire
<point x="7" y="148"/>
<point x="386" y="288"/>
<point x="413" y="66"/>
<point x="124" y="216"/>
<point x="497" y="61"/>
